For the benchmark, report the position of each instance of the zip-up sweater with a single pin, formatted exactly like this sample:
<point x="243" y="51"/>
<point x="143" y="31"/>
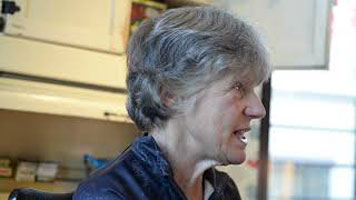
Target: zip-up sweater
<point x="141" y="172"/>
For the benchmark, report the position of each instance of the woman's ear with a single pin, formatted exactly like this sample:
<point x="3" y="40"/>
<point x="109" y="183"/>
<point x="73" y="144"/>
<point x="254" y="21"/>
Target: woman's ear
<point x="167" y="97"/>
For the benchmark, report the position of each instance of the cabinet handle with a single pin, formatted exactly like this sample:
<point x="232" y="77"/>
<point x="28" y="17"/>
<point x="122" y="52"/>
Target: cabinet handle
<point x="108" y="114"/>
<point x="9" y="7"/>
<point x="2" y="24"/>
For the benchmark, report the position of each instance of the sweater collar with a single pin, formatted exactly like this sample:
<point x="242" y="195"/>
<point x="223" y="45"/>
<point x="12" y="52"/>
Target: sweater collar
<point x="148" y="151"/>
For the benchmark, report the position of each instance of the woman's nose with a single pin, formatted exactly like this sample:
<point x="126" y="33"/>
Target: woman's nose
<point x="255" y="108"/>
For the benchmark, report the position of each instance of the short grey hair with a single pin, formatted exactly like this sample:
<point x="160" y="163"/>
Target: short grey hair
<point x="183" y="50"/>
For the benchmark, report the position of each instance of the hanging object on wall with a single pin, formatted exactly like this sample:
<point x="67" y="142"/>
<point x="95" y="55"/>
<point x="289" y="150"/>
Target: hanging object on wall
<point x="143" y="9"/>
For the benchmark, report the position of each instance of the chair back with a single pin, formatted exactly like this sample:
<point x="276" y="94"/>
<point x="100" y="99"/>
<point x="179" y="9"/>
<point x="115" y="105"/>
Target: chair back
<point x="32" y="194"/>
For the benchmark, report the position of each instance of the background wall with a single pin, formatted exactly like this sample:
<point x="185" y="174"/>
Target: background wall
<point x="65" y="139"/>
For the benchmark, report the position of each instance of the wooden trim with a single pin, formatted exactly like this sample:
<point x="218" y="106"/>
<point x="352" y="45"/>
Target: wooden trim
<point x="263" y="153"/>
<point x="76" y="84"/>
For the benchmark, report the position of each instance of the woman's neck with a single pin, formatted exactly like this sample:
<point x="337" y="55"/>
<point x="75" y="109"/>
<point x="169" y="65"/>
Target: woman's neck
<point x="185" y="159"/>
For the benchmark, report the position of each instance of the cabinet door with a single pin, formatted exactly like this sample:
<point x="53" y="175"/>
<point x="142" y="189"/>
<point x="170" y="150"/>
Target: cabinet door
<point x="37" y="97"/>
<point x="93" y="24"/>
<point x="296" y="31"/>
<point x="40" y="59"/>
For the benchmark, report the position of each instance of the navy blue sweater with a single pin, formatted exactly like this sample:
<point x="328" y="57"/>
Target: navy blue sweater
<point x="141" y="172"/>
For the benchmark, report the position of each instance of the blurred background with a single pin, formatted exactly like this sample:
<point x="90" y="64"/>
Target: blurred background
<point x="62" y="94"/>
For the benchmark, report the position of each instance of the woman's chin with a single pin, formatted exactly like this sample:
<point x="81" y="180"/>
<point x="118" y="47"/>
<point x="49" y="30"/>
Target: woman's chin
<point x="237" y="158"/>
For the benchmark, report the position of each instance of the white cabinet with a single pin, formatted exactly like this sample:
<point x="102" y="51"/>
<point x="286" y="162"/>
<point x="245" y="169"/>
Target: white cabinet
<point x="81" y="41"/>
<point x="93" y="24"/>
<point x="23" y="56"/>
<point x="296" y="31"/>
<point x="31" y="96"/>
<point x="66" y="57"/>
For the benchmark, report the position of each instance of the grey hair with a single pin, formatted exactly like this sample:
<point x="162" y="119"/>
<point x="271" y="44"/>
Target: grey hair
<point x="184" y="50"/>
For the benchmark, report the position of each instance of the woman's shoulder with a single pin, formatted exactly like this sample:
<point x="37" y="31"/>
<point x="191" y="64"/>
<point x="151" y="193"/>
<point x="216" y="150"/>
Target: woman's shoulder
<point x="121" y="178"/>
<point x="97" y="187"/>
<point x="105" y="183"/>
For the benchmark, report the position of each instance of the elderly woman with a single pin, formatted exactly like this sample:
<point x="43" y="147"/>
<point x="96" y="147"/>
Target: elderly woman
<point x="191" y="80"/>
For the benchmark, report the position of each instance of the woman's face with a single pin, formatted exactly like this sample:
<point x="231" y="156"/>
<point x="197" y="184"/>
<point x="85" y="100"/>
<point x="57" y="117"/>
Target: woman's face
<point x="219" y="119"/>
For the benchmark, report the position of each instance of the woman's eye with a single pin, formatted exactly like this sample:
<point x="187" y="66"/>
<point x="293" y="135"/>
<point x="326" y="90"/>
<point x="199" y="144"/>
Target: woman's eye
<point x="238" y="88"/>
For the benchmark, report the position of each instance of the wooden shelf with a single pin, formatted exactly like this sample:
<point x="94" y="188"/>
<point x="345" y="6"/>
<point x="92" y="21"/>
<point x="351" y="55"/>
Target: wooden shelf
<point x="8" y="184"/>
<point x="4" y="195"/>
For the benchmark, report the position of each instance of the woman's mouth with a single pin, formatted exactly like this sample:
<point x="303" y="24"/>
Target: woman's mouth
<point x="242" y="135"/>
